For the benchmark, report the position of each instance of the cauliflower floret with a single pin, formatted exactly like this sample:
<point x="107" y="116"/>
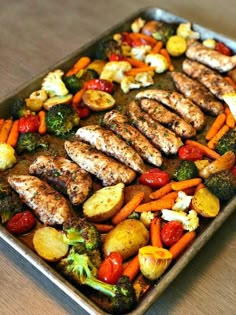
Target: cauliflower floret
<point x="115" y="71"/>
<point x="182" y="202"/>
<point x="190" y="221"/>
<point x="158" y="61"/>
<point x="184" y="30"/>
<point x="140" y="80"/>
<point x="7" y="156"/>
<point x="145" y="78"/>
<point x="146" y="218"/>
<point x="137" y="25"/>
<point x="140" y="52"/>
<point x="53" y="84"/>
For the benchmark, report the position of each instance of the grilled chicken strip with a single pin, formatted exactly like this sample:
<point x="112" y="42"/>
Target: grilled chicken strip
<point x="107" y="142"/>
<point x="212" y="80"/>
<point x="210" y="57"/>
<point x="197" y="93"/>
<point x="160" y="136"/>
<point x="108" y="170"/>
<point x="190" y="112"/>
<point x="118" y="123"/>
<point x="159" y="113"/>
<point x="49" y="205"/>
<point x="64" y="175"/>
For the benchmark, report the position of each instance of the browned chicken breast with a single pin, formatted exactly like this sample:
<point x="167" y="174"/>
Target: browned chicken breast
<point x="177" y="102"/>
<point x="64" y="175"/>
<point x="197" y="93"/>
<point x="106" y="141"/>
<point x="49" y="205"/>
<point x="119" y="124"/>
<point x="160" y="136"/>
<point x="210" y="57"/>
<point x="159" y="113"/>
<point x="212" y="80"/>
<point x="108" y="170"/>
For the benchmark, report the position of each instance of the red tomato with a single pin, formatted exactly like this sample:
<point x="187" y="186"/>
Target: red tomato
<point x="154" y="178"/>
<point x="171" y="232"/>
<point x="189" y="152"/>
<point x="115" y="57"/>
<point x="29" y="123"/>
<point x="83" y="111"/>
<point x="234" y="170"/>
<point x="223" y="49"/>
<point x="99" y="84"/>
<point x="21" y="223"/>
<point x="111" y="268"/>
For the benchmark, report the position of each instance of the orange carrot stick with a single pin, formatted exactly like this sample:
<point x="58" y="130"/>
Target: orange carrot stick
<point x="135" y="71"/>
<point x="150" y="40"/>
<point x="78" y="97"/>
<point x="181" y="244"/>
<point x="199" y="186"/>
<point x="42" y="122"/>
<point x="165" y="53"/>
<point x="157" y="47"/>
<point x="155" y="205"/>
<point x="132" y="268"/>
<point x="206" y="151"/>
<point x="82" y="63"/>
<point x="230" y="121"/>
<point x="1" y="122"/>
<point x="213" y="142"/>
<point x="183" y="184"/>
<point x="230" y="81"/>
<point x="5" y="130"/>
<point x="155" y="232"/>
<point x="125" y="211"/>
<point x="135" y="63"/>
<point x="103" y="228"/>
<point x="161" y="191"/>
<point x="170" y="195"/>
<point x="215" y="127"/>
<point x="13" y="134"/>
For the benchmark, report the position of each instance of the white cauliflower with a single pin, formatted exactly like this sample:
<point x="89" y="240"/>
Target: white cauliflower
<point x="53" y="84"/>
<point x="145" y="78"/>
<point x="140" y="80"/>
<point x="190" y="221"/>
<point x="146" y="218"/>
<point x="140" y="52"/>
<point x="182" y="202"/>
<point x="7" y="156"/>
<point x="184" y="30"/>
<point x="115" y="71"/>
<point x="137" y="25"/>
<point x="158" y="61"/>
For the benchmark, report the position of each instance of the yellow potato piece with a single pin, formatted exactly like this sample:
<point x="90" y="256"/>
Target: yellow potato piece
<point x="230" y="100"/>
<point x="98" y="100"/>
<point x="206" y="203"/>
<point x="176" y="46"/>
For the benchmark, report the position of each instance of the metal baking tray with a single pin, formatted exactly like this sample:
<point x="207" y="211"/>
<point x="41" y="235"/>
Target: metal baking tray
<point x="203" y="236"/>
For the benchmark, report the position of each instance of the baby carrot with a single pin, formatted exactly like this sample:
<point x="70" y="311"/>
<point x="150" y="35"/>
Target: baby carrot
<point x="150" y="40"/>
<point x="157" y="47"/>
<point x="132" y="268"/>
<point x="135" y="63"/>
<point x="213" y="142"/>
<point x="135" y="71"/>
<point x="230" y="121"/>
<point x="82" y="63"/>
<point x="5" y="130"/>
<point x="78" y="97"/>
<point x="155" y="232"/>
<point x="182" y="243"/>
<point x="230" y="81"/>
<point x="13" y="134"/>
<point x="170" y="195"/>
<point x="103" y="228"/>
<point x="42" y="122"/>
<point x="206" y="151"/>
<point x="165" y="53"/>
<point x="183" y="184"/>
<point x="125" y="211"/>
<point x="155" y="205"/>
<point x="161" y="191"/>
<point x="1" y="122"/>
<point x="215" y="127"/>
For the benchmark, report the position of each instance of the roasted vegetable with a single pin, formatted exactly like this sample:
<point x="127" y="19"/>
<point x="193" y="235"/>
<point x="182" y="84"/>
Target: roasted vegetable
<point x="98" y="100"/>
<point x="176" y="45"/>
<point x="222" y="184"/>
<point x="206" y="203"/>
<point x="30" y="141"/>
<point x="164" y="31"/>
<point x="53" y="84"/>
<point x="227" y="142"/>
<point x="19" y="109"/>
<point x="61" y="119"/>
<point x="73" y="83"/>
<point x="106" y="48"/>
<point x="87" y="75"/>
<point x="185" y="170"/>
<point x="7" y="156"/>
<point x="21" y="223"/>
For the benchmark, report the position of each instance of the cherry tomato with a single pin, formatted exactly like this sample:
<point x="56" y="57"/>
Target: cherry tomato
<point x="29" y="123"/>
<point x="154" y="178"/>
<point x="223" y="49"/>
<point x="171" y="232"/>
<point x="115" y="57"/>
<point x="234" y="170"/>
<point x="99" y="84"/>
<point x="21" y="223"/>
<point x="111" y="268"/>
<point x="189" y="152"/>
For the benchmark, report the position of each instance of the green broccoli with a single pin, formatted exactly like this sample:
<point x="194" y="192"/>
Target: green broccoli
<point x="30" y="141"/>
<point x="185" y="170"/>
<point x="80" y="269"/>
<point x="106" y="48"/>
<point x="222" y="184"/>
<point x="164" y="31"/>
<point x="87" y="75"/>
<point x="19" y="109"/>
<point x="227" y="142"/>
<point x="61" y="119"/>
<point x="73" y="83"/>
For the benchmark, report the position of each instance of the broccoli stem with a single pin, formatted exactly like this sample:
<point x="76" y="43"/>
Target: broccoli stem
<point x="108" y="289"/>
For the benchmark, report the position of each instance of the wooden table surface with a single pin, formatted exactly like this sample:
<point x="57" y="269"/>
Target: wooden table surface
<point x="33" y="36"/>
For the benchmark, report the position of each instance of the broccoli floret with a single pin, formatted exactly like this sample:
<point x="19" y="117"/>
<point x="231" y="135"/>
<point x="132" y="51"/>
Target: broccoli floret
<point x="164" y="31"/>
<point x="106" y="48"/>
<point x="61" y="119"/>
<point x="19" y="109"/>
<point x="30" y="141"/>
<point x="87" y="75"/>
<point x="222" y="184"/>
<point x="72" y="83"/>
<point x="80" y="269"/>
<point x="227" y="142"/>
<point x="185" y="170"/>
<point x="81" y="231"/>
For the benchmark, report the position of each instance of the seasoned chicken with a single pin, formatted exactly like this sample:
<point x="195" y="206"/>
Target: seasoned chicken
<point x="190" y="112"/>
<point x="163" y="138"/>
<point x="64" y="175"/>
<point x="159" y="113"/>
<point x="197" y="93"/>
<point x="211" y="79"/>
<point x="108" y="170"/>
<point x="49" y="205"/>
<point x="106" y="141"/>
<point x="210" y="57"/>
<point x="118" y="123"/>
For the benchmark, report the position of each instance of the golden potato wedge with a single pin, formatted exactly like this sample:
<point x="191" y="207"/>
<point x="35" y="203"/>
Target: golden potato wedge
<point x="98" y="100"/>
<point x="205" y="203"/>
<point x="104" y="203"/>
<point x="48" y="244"/>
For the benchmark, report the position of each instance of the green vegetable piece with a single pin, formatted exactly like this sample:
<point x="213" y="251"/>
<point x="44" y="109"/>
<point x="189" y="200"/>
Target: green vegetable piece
<point x="185" y="170"/>
<point x="106" y="48"/>
<point x="227" y="143"/>
<point x="19" y="109"/>
<point x="72" y="83"/>
<point x="29" y="142"/>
